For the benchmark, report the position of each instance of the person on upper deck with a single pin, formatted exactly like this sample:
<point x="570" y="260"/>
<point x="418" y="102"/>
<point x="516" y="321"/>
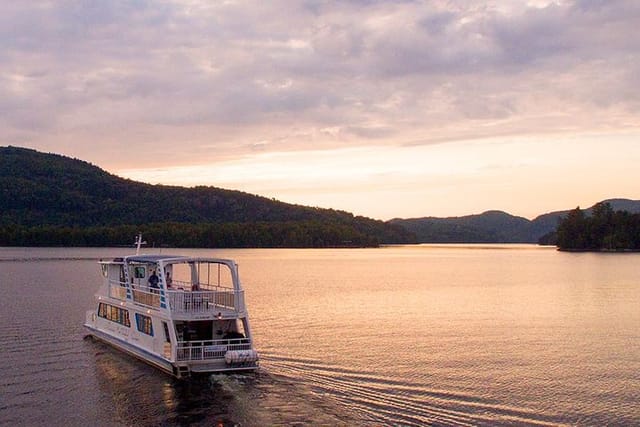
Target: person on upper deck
<point x="167" y="276"/>
<point x="153" y="280"/>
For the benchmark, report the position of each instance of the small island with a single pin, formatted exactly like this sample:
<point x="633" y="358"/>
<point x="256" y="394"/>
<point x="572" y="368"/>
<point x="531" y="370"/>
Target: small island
<point x="605" y="230"/>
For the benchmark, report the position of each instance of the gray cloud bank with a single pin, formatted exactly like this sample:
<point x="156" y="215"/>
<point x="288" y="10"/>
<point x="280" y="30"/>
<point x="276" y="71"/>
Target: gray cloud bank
<point x="94" y="77"/>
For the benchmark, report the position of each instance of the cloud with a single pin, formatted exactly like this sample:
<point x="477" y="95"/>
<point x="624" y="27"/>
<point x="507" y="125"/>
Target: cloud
<point x="312" y="74"/>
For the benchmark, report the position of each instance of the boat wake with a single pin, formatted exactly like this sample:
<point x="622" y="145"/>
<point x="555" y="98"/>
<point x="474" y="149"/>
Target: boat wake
<point x="375" y="399"/>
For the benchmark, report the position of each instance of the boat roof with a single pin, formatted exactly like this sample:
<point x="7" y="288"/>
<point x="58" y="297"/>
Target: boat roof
<point x="171" y="259"/>
<point x="153" y="258"/>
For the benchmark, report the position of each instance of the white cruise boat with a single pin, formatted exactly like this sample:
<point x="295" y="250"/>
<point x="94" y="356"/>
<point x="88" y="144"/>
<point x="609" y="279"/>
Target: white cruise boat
<point x="181" y="314"/>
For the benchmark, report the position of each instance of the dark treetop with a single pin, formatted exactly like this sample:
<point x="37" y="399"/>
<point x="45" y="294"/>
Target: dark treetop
<point x="48" y="199"/>
<point x="603" y="230"/>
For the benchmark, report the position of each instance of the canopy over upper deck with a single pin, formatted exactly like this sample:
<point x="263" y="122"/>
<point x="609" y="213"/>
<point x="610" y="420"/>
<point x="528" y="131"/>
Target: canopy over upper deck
<point x="173" y="259"/>
<point x="181" y="283"/>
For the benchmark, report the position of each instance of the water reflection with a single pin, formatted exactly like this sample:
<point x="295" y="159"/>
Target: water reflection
<point x="141" y="395"/>
<point x="395" y="336"/>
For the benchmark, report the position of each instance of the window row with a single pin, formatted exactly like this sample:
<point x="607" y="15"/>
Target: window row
<point x="121" y="316"/>
<point x="115" y="314"/>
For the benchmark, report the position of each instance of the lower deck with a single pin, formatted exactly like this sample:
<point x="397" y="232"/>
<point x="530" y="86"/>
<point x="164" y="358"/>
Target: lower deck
<point x="175" y="346"/>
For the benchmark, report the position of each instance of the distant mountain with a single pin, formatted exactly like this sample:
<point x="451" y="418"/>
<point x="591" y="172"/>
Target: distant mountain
<point x="631" y="206"/>
<point x="494" y="226"/>
<point x="490" y="226"/>
<point x="42" y="193"/>
<point x="55" y="200"/>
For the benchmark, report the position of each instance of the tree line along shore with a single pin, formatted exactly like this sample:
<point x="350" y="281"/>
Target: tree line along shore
<point x="605" y="230"/>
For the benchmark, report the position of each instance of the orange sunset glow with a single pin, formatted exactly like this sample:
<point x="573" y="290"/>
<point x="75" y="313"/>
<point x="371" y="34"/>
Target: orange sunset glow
<point x="383" y="109"/>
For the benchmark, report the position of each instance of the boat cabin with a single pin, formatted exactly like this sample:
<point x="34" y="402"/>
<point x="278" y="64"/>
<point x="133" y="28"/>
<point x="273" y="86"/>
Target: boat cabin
<point x="187" y="314"/>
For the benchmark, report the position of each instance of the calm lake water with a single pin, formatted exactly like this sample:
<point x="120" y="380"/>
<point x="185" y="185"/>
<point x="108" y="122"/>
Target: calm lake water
<point x="408" y="335"/>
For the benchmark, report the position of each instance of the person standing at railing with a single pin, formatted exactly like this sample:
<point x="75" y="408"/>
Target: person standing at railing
<point x="153" y="280"/>
<point x="167" y="275"/>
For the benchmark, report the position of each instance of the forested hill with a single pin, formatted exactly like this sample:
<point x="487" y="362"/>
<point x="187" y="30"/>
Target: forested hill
<point x="604" y="229"/>
<point x="52" y="199"/>
<point x="496" y="226"/>
<point x="488" y="227"/>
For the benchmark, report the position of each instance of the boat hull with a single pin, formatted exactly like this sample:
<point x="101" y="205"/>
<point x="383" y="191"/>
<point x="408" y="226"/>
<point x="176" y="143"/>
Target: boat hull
<point x="179" y="369"/>
<point x="132" y="350"/>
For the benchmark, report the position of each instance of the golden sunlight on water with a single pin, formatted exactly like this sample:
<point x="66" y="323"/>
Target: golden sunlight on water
<point x="455" y="334"/>
<point x="410" y="335"/>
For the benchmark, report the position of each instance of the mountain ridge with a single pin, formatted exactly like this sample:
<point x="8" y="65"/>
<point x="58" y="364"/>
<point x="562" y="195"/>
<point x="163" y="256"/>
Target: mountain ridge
<point x="46" y="192"/>
<point x="495" y="226"/>
<point x="50" y="192"/>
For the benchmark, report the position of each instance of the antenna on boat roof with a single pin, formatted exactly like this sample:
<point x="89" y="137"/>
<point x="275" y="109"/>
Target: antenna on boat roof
<point x="139" y="243"/>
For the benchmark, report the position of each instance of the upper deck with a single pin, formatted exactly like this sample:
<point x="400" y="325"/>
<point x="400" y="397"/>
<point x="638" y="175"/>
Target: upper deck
<point x="184" y="286"/>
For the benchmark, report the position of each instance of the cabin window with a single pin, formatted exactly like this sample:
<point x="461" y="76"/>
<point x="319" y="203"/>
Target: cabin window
<point x="144" y="324"/>
<point x="114" y="314"/>
<point x="104" y="269"/>
<point x="139" y="272"/>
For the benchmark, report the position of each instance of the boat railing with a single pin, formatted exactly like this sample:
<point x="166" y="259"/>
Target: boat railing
<point x="147" y="296"/>
<point x="142" y="294"/>
<point x="117" y="290"/>
<point x="180" y="300"/>
<point x="206" y="301"/>
<point x="210" y="349"/>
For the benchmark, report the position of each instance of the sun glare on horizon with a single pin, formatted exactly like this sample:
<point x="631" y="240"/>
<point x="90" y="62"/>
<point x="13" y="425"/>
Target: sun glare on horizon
<point x="518" y="175"/>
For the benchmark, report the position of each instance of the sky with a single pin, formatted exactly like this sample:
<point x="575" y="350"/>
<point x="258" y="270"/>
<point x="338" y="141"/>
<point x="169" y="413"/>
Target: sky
<point x="381" y="108"/>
